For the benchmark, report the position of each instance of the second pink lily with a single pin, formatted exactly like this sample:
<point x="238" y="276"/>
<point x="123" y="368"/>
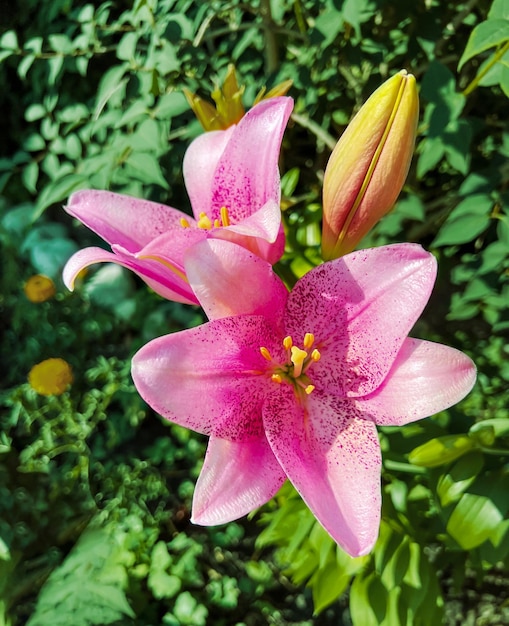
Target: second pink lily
<point x="232" y="178"/>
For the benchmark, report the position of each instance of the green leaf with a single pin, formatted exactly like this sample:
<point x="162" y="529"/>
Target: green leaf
<point x="60" y="43"/>
<point x="474" y="519"/>
<point x="327" y="584"/>
<point x="441" y="450"/>
<point x="34" y="143"/>
<point x="9" y="40"/>
<point x="58" y="190"/>
<point x="499" y="10"/>
<point x="485" y="35"/>
<point x="466" y="221"/>
<point x="34" y="112"/>
<point x="88" y="587"/>
<point x="368" y="601"/>
<point x="145" y="167"/>
<point x="30" y="175"/>
<point x="456" y="481"/>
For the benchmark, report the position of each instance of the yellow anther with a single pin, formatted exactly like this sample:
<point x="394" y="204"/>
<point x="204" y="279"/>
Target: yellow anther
<point x="309" y="340"/>
<point x="217" y="223"/>
<point x="225" y="218"/>
<point x="315" y="355"/>
<point x="184" y="223"/>
<point x="204" y="222"/>
<point x="297" y="358"/>
<point x="309" y="389"/>
<point x="287" y="343"/>
<point x="265" y="354"/>
<point x="276" y="378"/>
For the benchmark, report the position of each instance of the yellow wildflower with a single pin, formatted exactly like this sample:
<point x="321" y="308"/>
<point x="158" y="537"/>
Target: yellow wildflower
<point x="50" y="377"/>
<point x="39" y="288"/>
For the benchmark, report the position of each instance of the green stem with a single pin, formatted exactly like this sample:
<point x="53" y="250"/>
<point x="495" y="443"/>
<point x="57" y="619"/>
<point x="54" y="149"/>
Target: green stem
<point x="271" y="52"/>
<point x="494" y="59"/>
<point x="317" y="130"/>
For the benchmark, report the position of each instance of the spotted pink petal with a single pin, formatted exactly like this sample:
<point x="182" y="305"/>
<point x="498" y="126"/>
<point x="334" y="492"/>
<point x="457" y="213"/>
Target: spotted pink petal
<point x="236" y="478"/>
<point x="229" y="280"/>
<point x="129" y="222"/>
<point x="426" y="378"/>
<point x="208" y="378"/>
<point x="360" y="309"/>
<point x="332" y="457"/>
<point x="246" y="174"/>
<point x="199" y="167"/>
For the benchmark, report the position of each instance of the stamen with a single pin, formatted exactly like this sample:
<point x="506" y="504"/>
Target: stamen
<point x="184" y="223"/>
<point x="217" y="223"/>
<point x="297" y="358"/>
<point x="315" y="355"/>
<point x="276" y="378"/>
<point x="309" y="339"/>
<point x="287" y="343"/>
<point x="204" y="222"/>
<point x="225" y="218"/>
<point x="265" y="354"/>
<point x="309" y="389"/>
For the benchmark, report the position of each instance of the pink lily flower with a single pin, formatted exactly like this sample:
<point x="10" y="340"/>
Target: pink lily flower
<point x="233" y="182"/>
<point x="294" y="384"/>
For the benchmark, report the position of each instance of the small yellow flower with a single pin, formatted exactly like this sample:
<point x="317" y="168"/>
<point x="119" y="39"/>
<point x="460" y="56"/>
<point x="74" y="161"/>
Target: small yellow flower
<point x="50" y="377"/>
<point x="39" y="288"/>
<point x="228" y="108"/>
<point x="369" y="165"/>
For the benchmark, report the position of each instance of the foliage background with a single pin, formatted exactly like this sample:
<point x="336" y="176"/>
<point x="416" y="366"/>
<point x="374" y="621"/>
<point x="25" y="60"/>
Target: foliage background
<point x="94" y="489"/>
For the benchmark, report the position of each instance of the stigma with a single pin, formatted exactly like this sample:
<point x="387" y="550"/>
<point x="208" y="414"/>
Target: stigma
<point x="205" y="223"/>
<point x="298" y="360"/>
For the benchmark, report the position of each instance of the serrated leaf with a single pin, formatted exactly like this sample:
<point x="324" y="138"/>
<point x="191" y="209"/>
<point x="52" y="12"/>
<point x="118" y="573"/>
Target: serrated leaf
<point x="485" y="35"/>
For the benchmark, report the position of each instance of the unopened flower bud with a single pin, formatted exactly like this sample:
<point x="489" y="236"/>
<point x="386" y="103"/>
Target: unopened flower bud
<point x="369" y="165"/>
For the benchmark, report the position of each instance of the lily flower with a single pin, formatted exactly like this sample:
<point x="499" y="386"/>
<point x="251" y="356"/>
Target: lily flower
<point x="369" y="165"/>
<point x="233" y="182"/>
<point x="294" y="384"/>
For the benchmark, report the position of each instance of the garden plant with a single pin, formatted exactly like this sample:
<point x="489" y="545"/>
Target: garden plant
<point x="254" y="313"/>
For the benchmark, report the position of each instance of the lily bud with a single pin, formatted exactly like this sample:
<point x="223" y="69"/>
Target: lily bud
<point x="369" y="165"/>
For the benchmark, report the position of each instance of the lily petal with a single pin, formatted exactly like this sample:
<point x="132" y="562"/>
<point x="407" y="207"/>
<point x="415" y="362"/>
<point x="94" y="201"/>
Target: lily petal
<point x="426" y="378"/>
<point x="229" y="280"/>
<point x="199" y="166"/>
<point x="167" y="282"/>
<point x="246" y="175"/>
<point x="360" y="309"/>
<point x="332" y="457"/>
<point x="129" y="222"/>
<point x="208" y="378"/>
<point x="236" y="478"/>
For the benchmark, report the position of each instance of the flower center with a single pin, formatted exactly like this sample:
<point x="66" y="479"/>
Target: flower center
<point x="205" y="223"/>
<point x="293" y="371"/>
